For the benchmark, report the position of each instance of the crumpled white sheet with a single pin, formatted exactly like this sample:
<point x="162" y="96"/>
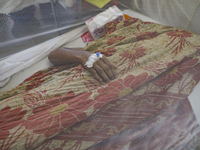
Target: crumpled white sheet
<point x="4" y="82"/>
<point x="30" y="56"/>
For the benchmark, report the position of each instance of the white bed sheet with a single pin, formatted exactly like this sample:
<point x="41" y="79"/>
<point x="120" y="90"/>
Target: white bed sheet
<point x="19" y="77"/>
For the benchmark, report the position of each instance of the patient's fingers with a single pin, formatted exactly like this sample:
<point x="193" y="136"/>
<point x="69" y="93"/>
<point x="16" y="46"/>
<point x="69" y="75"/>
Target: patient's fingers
<point x="101" y="72"/>
<point x="106" y="69"/>
<point x="95" y="74"/>
<point x="111" y="66"/>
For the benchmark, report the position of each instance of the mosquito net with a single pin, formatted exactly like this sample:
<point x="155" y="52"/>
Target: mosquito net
<point x="28" y="23"/>
<point x="153" y="101"/>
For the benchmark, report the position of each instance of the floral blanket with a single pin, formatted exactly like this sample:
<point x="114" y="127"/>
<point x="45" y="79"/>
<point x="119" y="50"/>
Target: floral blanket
<point x="146" y="107"/>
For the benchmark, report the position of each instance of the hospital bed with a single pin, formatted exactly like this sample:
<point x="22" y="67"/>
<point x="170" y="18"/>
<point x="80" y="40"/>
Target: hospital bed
<point x="19" y="77"/>
<point x="43" y="63"/>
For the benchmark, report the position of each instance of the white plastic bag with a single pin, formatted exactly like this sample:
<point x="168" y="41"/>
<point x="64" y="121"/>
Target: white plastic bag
<point x="96" y="25"/>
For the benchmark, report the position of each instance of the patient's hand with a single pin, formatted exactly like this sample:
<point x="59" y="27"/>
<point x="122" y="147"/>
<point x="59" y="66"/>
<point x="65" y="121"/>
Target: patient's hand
<point x="102" y="70"/>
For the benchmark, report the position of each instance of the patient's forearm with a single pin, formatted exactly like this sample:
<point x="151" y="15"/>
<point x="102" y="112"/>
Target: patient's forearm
<point x="62" y="56"/>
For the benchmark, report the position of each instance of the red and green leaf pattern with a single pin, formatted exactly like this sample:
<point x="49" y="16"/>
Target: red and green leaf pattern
<point x="182" y="40"/>
<point x="131" y="56"/>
